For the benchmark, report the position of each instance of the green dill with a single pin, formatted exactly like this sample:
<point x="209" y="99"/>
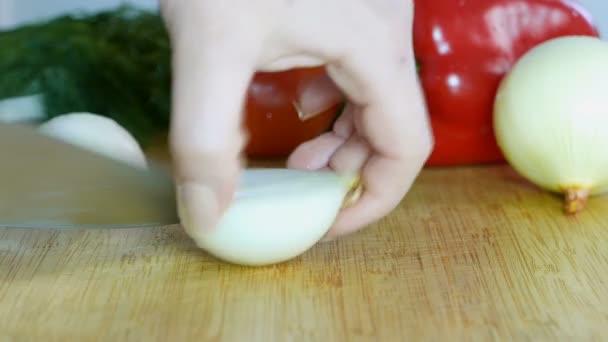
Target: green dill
<point x="114" y="63"/>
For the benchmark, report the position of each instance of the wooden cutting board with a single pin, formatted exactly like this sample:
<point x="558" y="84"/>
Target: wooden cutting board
<point x="471" y="254"/>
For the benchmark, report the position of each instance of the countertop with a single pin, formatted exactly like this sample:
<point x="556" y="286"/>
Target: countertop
<point x="472" y="253"/>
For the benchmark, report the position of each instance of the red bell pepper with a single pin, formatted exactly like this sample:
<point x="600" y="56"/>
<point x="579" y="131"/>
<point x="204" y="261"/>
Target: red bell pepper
<point x="464" y="49"/>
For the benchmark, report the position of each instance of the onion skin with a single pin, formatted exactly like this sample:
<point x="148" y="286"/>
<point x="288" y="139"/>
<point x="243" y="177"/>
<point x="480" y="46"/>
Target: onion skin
<point x="551" y="118"/>
<point x="355" y="189"/>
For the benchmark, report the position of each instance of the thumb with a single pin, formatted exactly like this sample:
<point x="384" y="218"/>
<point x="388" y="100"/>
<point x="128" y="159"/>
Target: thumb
<point x="208" y="93"/>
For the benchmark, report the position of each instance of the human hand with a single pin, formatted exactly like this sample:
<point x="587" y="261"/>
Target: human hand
<point x="383" y="134"/>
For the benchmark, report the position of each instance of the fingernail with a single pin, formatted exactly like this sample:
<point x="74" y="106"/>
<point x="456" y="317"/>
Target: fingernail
<point x="317" y="96"/>
<point x="198" y="208"/>
<point x="302" y="114"/>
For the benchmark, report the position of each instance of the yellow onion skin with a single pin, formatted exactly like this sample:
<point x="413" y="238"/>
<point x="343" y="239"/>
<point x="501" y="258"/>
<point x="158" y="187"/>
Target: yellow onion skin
<point x="551" y="117"/>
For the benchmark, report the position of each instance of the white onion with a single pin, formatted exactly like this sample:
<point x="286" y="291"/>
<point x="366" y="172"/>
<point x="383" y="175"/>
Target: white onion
<point x="98" y="134"/>
<point x="551" y="117"/>
<point x="276" y="215"/>
<point x="23" y="109"/>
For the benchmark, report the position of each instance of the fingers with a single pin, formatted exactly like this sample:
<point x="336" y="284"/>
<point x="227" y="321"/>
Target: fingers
<point x="345" y="125"/>
<point x="342" y="149"/>
<point x="393" y="124"/>
<point x="351" y="156"/>
<point x="316" y="153"/>
<point x="209" y="89"/>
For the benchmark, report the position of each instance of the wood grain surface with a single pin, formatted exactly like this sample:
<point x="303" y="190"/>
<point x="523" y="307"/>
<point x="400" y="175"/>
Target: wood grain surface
<point x="471" y="254"/>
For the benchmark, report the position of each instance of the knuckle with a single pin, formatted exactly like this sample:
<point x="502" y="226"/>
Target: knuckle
<point x="417" y="149"/>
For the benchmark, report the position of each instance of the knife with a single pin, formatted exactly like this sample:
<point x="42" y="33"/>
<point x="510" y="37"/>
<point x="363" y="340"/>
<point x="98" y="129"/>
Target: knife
<point x="49" y="184"/>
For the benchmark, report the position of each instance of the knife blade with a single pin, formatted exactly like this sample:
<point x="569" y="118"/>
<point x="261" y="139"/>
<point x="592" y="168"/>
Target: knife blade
<point x="47" y="183"/>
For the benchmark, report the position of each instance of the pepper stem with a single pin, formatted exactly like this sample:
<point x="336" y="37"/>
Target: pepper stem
<point x="575" y="200"/>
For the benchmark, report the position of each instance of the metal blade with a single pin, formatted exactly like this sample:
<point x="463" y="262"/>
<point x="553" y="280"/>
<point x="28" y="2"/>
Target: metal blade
<point x="45" y="183"/>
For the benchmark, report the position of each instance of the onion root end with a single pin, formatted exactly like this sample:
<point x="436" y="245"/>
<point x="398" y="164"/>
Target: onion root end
<point x="575" y="200"/>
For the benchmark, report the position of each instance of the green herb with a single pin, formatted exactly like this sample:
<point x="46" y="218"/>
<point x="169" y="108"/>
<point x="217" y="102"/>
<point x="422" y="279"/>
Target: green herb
<point x="114" y="63"/>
